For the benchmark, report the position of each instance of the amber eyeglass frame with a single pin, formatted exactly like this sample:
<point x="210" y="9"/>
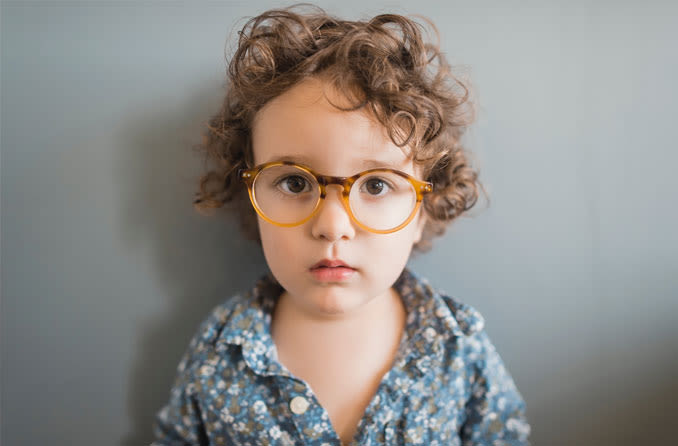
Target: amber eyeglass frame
<point x="249" y="176"/>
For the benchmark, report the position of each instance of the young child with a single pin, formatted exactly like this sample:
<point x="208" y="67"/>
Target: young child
<point x="338" y="144"/>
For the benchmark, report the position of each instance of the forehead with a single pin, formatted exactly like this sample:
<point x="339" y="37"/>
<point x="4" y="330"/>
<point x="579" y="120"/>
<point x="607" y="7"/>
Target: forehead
<point x="302" y="125"/>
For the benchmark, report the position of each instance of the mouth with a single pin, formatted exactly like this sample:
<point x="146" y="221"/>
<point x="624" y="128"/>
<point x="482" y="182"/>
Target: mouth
<point x="326" y="263"/>
<point x="332" y="271"/>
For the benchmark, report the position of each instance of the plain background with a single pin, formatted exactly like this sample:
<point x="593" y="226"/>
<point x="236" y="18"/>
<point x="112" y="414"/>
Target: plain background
<point x="107" y="270"/>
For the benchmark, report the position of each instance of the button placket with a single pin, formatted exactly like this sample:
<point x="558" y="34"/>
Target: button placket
<point x="306" y="413"/>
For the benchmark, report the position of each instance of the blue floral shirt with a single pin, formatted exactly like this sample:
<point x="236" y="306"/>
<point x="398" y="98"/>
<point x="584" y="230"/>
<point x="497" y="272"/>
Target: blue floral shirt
<point x="447" y="386"/>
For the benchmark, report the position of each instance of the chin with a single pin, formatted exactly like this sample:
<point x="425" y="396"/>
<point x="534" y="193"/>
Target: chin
<point x="333" y="302"/>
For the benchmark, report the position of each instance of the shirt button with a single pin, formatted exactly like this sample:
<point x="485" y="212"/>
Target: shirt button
<point x="299" y="404"/>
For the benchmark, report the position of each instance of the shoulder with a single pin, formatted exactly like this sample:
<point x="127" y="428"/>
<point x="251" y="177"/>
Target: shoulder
<point x="220" y="318"/>
<point x="449" y="314"/>
<point x="468" y="320"/>
<point x="476" y="346"/>
<point x="211" y="328"/>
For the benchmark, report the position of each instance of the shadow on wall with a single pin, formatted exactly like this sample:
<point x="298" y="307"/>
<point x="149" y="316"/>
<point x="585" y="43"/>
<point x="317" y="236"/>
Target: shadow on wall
<point x="200" y="261"/>
<point x="622" y="397"/>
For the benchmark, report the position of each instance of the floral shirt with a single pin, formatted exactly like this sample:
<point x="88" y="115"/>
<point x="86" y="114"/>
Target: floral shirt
<point x="447" y="386"/>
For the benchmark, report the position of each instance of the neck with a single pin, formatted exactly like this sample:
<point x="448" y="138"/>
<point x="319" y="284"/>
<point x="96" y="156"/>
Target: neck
<point x="382" y="319"/>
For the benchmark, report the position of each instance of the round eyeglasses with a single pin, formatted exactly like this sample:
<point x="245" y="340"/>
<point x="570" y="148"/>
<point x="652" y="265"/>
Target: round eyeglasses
<point x="379" y="200"/>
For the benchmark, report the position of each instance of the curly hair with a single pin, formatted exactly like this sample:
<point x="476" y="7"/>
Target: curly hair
<point x="383" y="65"/>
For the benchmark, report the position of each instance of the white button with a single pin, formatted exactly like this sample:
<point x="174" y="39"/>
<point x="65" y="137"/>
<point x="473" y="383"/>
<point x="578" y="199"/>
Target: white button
<point x="299" y="404"/>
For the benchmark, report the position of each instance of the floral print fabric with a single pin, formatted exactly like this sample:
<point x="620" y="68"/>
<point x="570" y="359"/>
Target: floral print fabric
<point x="447" y="386"/>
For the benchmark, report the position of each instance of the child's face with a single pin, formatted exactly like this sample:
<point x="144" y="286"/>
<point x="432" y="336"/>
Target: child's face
<point x="301" y="126"/>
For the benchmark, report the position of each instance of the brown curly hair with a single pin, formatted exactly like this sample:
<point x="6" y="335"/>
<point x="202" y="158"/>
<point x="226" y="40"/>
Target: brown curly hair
<point x="382" y="64"/>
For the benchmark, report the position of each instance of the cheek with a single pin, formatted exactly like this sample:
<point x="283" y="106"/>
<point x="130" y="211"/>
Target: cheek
<point x="391" y="248"/>
<point x="279" y="244"/>
<point x="270" y="240"/>
<point x="385" y="256"/>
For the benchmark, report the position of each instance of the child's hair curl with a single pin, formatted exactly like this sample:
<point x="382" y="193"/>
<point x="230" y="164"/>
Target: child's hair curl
<point x="382" y="64"/>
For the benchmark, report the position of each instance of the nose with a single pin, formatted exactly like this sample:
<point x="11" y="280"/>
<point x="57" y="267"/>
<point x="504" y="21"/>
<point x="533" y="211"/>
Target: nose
<point x="332" y="222"/>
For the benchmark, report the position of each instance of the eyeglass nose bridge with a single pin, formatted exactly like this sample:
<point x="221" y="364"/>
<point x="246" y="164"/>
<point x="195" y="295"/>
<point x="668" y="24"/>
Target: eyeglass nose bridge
<point x="344" y="182"/>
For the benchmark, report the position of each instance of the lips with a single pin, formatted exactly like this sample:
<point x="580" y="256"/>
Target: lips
<point x="332" y="271"/>
<point x="327" y="263"/>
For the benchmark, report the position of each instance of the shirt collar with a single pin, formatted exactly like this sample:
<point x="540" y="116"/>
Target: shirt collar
<point x="432" y="319"/>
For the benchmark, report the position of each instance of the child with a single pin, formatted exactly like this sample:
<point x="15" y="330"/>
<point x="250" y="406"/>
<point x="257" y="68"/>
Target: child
<point x="340" y="149"/>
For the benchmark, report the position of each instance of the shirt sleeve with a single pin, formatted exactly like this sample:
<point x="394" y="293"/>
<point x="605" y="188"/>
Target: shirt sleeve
<point x="179" y="422"/>
<point x="495" y="411"/>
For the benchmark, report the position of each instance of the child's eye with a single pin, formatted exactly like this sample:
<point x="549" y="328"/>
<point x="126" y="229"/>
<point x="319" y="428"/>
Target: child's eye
<point x="375" y="186"/>
<point x="293" y="184"/>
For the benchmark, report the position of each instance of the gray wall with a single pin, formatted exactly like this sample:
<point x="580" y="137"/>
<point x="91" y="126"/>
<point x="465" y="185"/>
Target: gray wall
<point x="106" y="269"/>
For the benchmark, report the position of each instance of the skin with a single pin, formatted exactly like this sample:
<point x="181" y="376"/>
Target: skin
<point x="341" y="337"/>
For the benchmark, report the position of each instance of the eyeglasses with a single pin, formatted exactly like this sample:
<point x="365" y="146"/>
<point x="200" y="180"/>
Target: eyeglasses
<point x="379" y="200"/>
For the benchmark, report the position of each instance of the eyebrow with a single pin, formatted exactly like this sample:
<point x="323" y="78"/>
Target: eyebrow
<point x="366" y="163"/>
